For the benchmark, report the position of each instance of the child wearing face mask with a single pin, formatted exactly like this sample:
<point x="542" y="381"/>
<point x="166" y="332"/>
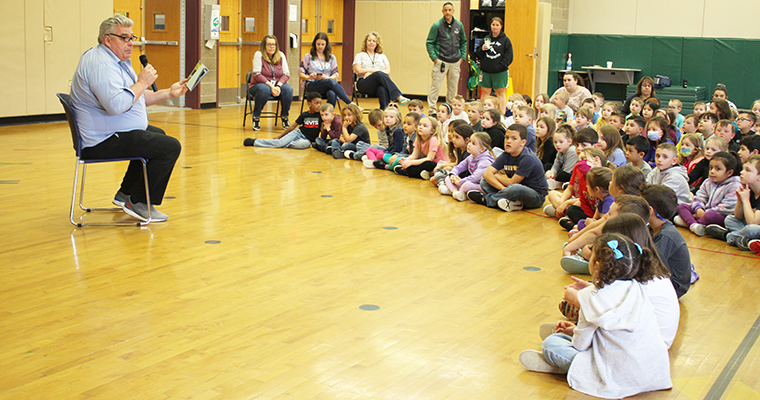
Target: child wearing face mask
<point x="658" y="130"/>
<point x="691" y="151"/>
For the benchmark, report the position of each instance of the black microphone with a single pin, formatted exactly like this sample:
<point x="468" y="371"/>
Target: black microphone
<point x="144" y="62"/>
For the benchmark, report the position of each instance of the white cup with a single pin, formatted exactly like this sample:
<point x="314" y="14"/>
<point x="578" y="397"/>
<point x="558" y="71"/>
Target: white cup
<point x="609" y="64"/>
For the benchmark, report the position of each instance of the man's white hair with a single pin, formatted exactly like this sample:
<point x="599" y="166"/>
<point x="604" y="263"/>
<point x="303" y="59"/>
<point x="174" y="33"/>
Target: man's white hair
<point x="109" y="25"/>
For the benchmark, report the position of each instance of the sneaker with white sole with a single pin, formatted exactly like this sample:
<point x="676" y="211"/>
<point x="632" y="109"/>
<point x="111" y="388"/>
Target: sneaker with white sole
<point x="349" y="154"/>
<point x="743" y="243"/>
<point x="698" y="229"/>
<point x="679" y="221"/>
<point x="120" y="199"/>
<point x="754" y="246"/>
<point x="550" y="211"/>
<point x="459" y="195"/>
<point x="443" y="189"/>
<point x="425" y="174"/>
<point x="140" y="211"/>
<point x="508" y="206"/>
<point x="365" y="158"/>
<point x="369" y="163"/>
<point x="477" y="196"/>
<point x="534" y="361"/>
<point x="717" y="231"/>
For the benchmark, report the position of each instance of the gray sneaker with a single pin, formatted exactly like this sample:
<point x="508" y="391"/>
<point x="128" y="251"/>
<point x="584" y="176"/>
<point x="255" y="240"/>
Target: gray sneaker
<point x="743" y="243"/>
<point x="157" y="216"/>
<point x="120" y="199"/>
<point x="140" y="211"/>
<point x="574" y="264"/>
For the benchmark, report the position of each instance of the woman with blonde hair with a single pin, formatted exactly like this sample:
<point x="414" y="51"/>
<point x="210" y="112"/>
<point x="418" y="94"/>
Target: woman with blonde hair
<point x="269" y="79"/>
<point x="373" y="70"/>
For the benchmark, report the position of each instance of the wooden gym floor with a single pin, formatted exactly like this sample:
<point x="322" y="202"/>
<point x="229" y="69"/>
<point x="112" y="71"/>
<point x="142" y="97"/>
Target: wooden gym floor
<point x="257" y="284"/>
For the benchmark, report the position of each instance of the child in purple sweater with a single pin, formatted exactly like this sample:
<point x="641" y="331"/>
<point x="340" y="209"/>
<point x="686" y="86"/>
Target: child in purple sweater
<point x="716" y="197"/>
<point x="480" y="158"/>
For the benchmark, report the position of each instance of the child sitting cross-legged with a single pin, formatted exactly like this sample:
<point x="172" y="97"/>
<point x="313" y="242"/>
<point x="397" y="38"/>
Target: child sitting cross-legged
<point x="626" y="182"/>
<point x="429" y="149"/>
<point x="743" y="228"/>
<point x="669" y="173"/>
<point x="459" y="136"/>
<point x="478" y="161"/>
<point x="389" y="130"/>
<point x="616" y="350"/>
<point x="598" y="184"/>
<point x="660" y="290"/>
<point x="566" y="158"/>
<point x="353" y="132"/>
<point x="716" y="198"/>
<point x="516" y="179"/>
<point x="376" y="158"/>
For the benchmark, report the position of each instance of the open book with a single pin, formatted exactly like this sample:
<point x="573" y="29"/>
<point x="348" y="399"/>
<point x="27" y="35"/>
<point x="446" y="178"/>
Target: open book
<point x="196" y="76"/>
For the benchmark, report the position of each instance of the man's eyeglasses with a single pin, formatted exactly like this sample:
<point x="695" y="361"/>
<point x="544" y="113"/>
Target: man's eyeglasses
<point x="124" y="38"/>
<point x="743" y="119"/>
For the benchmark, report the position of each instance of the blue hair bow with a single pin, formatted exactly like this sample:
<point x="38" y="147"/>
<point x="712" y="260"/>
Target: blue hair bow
<point x="613" y="244"/>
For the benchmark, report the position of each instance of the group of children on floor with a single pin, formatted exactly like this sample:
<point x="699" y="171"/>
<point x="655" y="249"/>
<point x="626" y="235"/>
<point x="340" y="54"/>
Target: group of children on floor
<point x="625" y="182"/>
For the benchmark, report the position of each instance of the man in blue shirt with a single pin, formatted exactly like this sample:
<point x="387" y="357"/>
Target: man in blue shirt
<point x="109" y="102"/>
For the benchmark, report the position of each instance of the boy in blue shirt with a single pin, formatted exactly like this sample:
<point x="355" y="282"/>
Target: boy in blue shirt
<point x="516" y="179"/>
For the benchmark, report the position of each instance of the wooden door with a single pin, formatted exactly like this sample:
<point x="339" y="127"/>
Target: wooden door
<point x="132" y="10"/>
<point x="254" y="26"/>
<point x="229" y="51"/>
<point x="521" y="17"/>
<point x="162" y="40"/>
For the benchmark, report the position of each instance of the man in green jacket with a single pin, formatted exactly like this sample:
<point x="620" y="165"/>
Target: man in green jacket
<point x="447" y="47"/>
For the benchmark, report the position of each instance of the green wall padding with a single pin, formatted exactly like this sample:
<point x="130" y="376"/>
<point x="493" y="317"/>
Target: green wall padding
<point x="702" y="61"/>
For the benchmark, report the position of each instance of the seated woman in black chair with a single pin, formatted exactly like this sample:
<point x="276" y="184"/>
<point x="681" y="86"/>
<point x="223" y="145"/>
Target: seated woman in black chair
<point x="319" y="68"/>
<point x="269" y="78"/>
<point x="372" y="68"/>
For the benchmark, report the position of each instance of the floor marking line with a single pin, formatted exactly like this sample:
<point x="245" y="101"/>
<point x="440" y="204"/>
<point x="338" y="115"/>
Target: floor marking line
<point x="722" y="252"/>
<point x="727" y="375"/>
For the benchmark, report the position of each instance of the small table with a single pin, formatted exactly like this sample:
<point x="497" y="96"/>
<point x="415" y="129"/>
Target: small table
<point x="623" y="76"/>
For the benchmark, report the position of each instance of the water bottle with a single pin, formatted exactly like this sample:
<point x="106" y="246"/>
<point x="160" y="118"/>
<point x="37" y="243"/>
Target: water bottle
<point x="569" y="65"/>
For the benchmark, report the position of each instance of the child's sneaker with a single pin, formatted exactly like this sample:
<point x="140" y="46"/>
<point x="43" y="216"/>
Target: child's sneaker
<point x="565" y="185"/>
<point x="399" y="170"/>
<point x="476" y="196"/>
<point x="550" y="211"/>
<point x="574" y="264"/>
<point x="379" y="164"/>
<point x="743" y="243"/>
<point x="508" y="206"/>
<point x="717" y="231"/>
<point x="754" y="246"/>
<point x="547" y="329"/>
<point x="425" y="174"/>
<point x="551" y="183"/>
<point x="444" y="189"/>
<point x="459" y="195"/>
<point x="566" y="223"/>
<point x="365" y="158"/>
<point x="534" y="361"/>
<point x="369" y="163"/>
<point x="349" y="154"/>
<point x="698" y="229"/>
<point x="679" y="221"/>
